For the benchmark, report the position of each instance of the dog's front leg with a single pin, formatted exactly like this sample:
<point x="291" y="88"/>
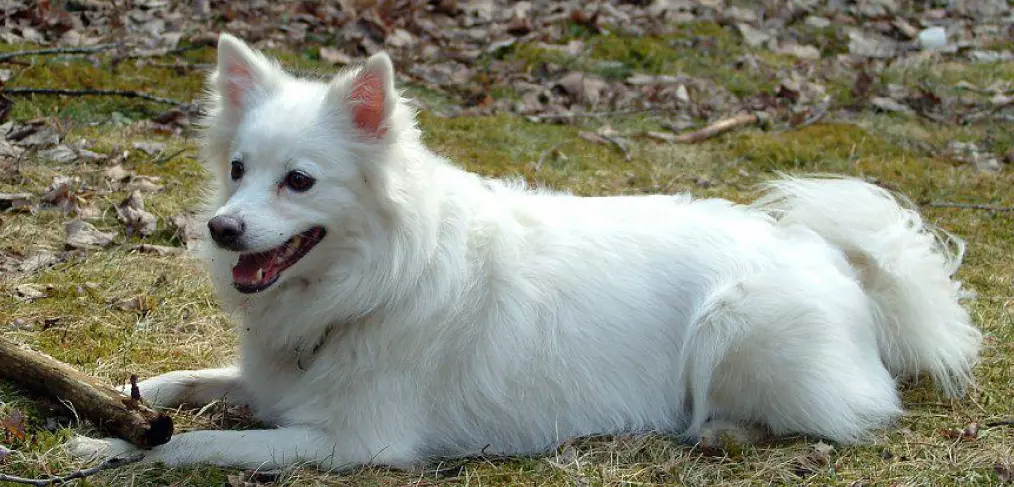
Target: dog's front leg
<point x="193" y="387"/>
<point x="252" y="449"/>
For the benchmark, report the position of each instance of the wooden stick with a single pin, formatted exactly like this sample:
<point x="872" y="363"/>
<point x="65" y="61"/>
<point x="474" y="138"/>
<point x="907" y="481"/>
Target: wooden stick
<point x="111" y="463"/>
<point x="971" y="206"/>
<point x="92" y="92"/>
<point x="120" y="416"/>
<point x="58" y="50"/>
<point x="718" y="128"/>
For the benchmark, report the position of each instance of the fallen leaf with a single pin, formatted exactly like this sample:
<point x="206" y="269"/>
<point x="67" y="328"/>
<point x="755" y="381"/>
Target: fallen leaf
<point x="868" y="44"/>
<point x="144" y="184"/>
<point x="118" y="174"/>
<point x="14" y="424"/>
<point x="821" y="452"/>
<point x="187" y="230"/>
<point x="61" y="193"/>
<point x="131" y="213"/>
<point x="149" y="148"/>
<point x="889" y="105"/>
<point x="334" y="56"/>
<point x="61" y="154"/>
<point x="969" y="433"/>
<point x="582" y="87"/>
<point x="38" y="260"/>
<point x="29" y="292"/>
<point x="142" y="304"/>
<point x="805" y="52"/>
<point x="84" y="235"/>
<point x="40" y="137"/>
<point x="753" y="36"/>
<point x="156" y="249"/>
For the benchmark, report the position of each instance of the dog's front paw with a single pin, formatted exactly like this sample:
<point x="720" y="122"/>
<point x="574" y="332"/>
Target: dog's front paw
<point x="165" y="390"/>
<point x="88" y="449"/>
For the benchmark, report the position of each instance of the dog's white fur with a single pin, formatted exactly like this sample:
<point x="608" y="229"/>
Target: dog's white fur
<point x="445" y="314"/>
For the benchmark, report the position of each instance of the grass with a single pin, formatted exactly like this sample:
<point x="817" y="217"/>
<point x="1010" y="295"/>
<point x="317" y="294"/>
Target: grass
<point x="180" y="326"/>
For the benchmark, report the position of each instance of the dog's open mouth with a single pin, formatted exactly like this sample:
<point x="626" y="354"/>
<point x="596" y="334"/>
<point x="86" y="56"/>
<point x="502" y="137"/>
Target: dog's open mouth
<point x="258" y="271"/>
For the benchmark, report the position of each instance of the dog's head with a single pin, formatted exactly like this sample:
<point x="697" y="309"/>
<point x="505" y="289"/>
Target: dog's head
<point x="296" y="162"/>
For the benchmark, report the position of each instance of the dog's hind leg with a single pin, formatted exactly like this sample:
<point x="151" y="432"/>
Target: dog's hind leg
<point x="793" y="350"/>
<point x="192" y="387"/>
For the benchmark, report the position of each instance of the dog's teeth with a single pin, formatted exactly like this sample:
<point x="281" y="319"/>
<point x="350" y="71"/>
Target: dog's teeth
<point x="260" y="274"/>
<point x="298" y="239"/>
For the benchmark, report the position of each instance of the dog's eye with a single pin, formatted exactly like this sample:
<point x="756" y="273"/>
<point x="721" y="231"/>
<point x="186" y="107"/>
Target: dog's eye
<point x="237" y="170"/>
<point x="299" y="181"/>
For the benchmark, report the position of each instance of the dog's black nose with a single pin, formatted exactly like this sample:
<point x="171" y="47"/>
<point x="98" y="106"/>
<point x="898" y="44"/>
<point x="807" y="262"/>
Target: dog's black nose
<point x="225" y="230"/>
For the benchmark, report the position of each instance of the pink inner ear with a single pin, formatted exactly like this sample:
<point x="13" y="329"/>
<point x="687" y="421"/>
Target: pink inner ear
<point x="368" y="104"/>
<point x="238" y="78"/>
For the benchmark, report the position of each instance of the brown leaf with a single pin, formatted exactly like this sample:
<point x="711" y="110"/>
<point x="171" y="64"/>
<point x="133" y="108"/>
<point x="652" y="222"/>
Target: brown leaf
<point x="334" y="56"/>
<point x="889" y="105"/>
<point x="142" y="304"/>
<point x="29" y="292"/>
<point x="804" y="52"/>
<point x="753" y="36"/>
<point x="131" y="213"/>
<point x="187" y="230"/>
<point x="61" y="154"/>
<point x="821" y="452"/>
<point x="14" y="424"/>
<point x="144" y="184"/>
<point x="869" y="44"/>
<point x="969" y="433"/>
<point x="582" y="88"/>
<point x="150" y="148"/>
<point x="83" y="235"/>
<point x="156" y="249"/>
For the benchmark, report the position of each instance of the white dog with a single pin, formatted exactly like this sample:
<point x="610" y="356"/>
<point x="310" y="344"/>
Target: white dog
<point x="395" y="308"/>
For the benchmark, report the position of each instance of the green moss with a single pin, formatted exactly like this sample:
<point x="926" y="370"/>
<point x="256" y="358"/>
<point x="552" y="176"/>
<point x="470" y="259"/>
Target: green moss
<point x="703" y="50"/>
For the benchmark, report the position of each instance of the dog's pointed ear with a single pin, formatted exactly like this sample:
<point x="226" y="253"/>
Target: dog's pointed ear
<point x="371" y="98"/>
<point x="242" y="73"/>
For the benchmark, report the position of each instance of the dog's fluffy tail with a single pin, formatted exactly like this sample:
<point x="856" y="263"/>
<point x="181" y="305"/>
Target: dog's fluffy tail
<point x="905" y="267"/>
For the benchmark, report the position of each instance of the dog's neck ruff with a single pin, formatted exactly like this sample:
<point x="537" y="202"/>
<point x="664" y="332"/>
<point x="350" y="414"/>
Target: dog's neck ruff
<point x="304" y="357"/>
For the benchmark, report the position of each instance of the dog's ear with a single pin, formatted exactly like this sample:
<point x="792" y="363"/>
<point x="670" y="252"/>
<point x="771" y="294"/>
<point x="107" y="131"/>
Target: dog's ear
<point x="242" y="73"/>
<point x="370" y="97"/>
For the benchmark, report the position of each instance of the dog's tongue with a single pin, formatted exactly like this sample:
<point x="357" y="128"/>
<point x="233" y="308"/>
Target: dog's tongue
<point x="247" y="268"/>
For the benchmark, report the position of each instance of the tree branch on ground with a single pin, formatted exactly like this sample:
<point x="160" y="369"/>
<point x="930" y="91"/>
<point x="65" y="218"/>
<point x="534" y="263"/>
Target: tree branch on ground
<point x="92" y="92"/>
<point x="971" y="206"/>
<point x="119" y="415"/>
<point x="111" y="463"/>
<point x="58" y="50"/>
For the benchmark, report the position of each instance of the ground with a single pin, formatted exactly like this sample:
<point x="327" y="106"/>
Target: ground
<point x="117" y="309"/>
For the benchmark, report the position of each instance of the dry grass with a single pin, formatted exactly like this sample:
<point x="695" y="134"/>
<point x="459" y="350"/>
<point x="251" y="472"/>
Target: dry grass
<point x="79" y="320"/>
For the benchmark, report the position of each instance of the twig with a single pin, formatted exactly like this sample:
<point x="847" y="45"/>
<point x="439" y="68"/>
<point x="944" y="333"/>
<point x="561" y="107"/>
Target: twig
<point x="611" y="136"/>
<point x="971" y="206"/>
<point x="92" y="92"/>
<point x="58" y="50"/>
<point x="562" y="116"/>
<point x="115" y="462"/>
<point x="718" y="128"/>
<point x="1005" y="422"/>
<point x="169" y="157"/>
